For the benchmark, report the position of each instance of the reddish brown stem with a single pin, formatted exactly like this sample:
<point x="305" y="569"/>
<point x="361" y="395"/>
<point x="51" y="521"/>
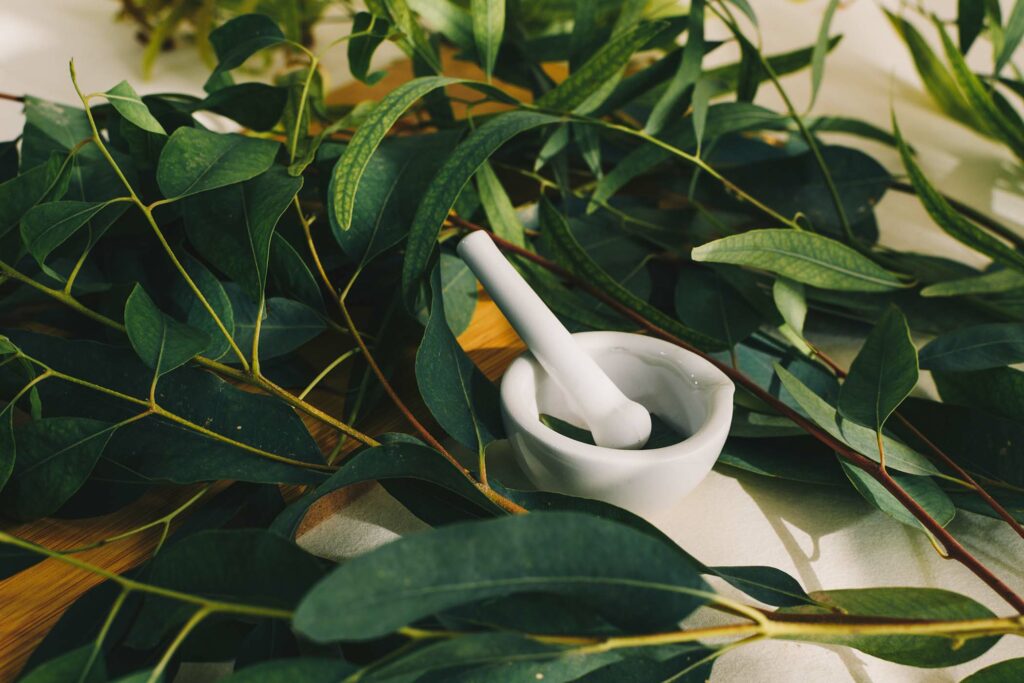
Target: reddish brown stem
<point x="12" y="98"/>
<point x="939" y="454"/>
<point x="954" y="550"/>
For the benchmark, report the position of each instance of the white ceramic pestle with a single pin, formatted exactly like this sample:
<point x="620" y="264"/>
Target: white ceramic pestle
<point x="614" y="419"/>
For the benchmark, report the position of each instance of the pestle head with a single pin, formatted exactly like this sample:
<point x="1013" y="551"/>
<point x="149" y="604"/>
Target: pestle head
<point x="627" y="428"/>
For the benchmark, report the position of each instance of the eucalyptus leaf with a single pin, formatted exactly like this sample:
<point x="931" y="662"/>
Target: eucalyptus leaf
<point x="488" y="31"/>
<point x="458" y="395"/>
<point x="129" y="105"/>
<point x="882" y="375"/>
<point x="801" y="256"/>
<point x="1007" y="671"/>
<point x="995" y="282"/>
<point x="999" y="391"/>
<point x="46" y="226"/>
<point x="905" y="603"/>
<point x="924" y="490"/>
<point x="627" y="576"/>
<point x="162" y="342"/>
<point x="305" y="670"/>
<point x="362" y="47"/>
<point x="975" y="348"/>
<point x="196" y="160"/>
<point x="18" y="195"/>
<point x="238" y="39"/>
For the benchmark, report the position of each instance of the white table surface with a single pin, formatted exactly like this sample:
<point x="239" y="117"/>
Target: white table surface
<point x="826" y="539"/>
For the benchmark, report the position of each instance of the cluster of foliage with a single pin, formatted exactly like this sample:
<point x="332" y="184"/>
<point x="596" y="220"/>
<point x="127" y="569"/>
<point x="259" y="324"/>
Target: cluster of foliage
<point x="166" y="289"/>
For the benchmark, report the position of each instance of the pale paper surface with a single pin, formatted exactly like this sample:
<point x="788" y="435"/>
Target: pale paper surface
<point x="824" y="538"/>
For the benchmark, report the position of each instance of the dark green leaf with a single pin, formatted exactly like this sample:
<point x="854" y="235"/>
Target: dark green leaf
<point x="46" y="226"/>
<point x="449" y="182"/>
<point x="162" y="342"/>
<point x="55" y="456"/>
<point x="250" y="566"/>
<point x="69" y="666"/>
<point x="238" y="39"/>
<point x="307" y="670"/>
<point x="501" y="215"/>
<point x="459" y="396"/>
<point x="287" y="324"/>
<point x="996" y="282"/>
<point x="975" y="348"/>
<point x="905" y="603"/>
<point x="129" y="105"/>
<point x="882" y="375"/>
<point x="1012" y="36"/>
<point x="585" y="89"/>
<point x="706" y="302"/>
<point x="1008" y="671"/>
<point x="802" y="256"/>
<point x="191" y="309"/>
<point x="627" y="576"/>
<point x="897" y="455"/>
<point x="18" y="195"/>
<point x="947" y="218"/>
<point x="924" y="490"/>
<point x="794" y="458"/>
<point x="488" y="31"/>
<point x="970" y="18"/>
<point x="569" y="249"/>
<point x="196" y="160"/>
<point x="674" y="100"/>
<point x="361" y="48"/>
<point x="257" y="106"/>
<point x="458" y="287"/>
<point x="999" y="391"/>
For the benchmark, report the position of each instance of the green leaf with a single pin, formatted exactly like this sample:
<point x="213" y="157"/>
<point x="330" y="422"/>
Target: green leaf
<point x="999" y="391"/>
<point x="501" y="215"/>
<point x="585" y="89"/>
<point x="196" y="160"/>
<point x="287" y="324"/>
<point x="162" y="342"/>
<point x="937" y="79"/>
<point x="47" y="226"/>
<point x="863" y="440"/>
<point x="706" y="302"/>
<point x="414" y="39"/>
<point x="129" y="105"/>
<point x="306" y="670"/>
<point x="975" y="348"/>
<point x="398" y="174"/>
<point x="348" y="172"/>
<point x="55" y="456"/>
<point x="251" y="566"/>
<point x="488" y="30"/>
<point x="947" y="218"/>
<point x="882" y="375"/>
<point x="821" y="48"/>
<point x="361" y="48"/>
<point x="978" y="95"/>
<point x="485" y="657"/>
<point x="1008" y="671"/>
<point x="188" y="307"/>
<point x="625" y="575"/>
<point x="69" y="666"/>
<point x="801" y="256"/>
<point x="233" y="226"/>
<point x="459" y="396"/>
<point x="996" y="282"/>
<point x="1012" y="37"/>
<point x="970" y="19"/>
<point x="675" y="99"/>
<point x="18" y="195"/>
<point x="794" y="458"/>
<point x="449" y="182"/>
<point x="905" y="603"/>
<point x="923" y="490"/>
<point x="458" y="287"/>
<point x="256" y="106"/>
<point x="792" y="304"/>
<point x="239" y="38"/>
<point x="572" y="254"/>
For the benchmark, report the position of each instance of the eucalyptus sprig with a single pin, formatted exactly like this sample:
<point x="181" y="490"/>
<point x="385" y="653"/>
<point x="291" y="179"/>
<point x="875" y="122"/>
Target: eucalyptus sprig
<point x="186" y="308"/>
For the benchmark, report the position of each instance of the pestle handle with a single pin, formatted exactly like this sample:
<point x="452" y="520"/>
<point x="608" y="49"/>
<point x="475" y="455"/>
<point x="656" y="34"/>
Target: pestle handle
<point x="614" y="419"/>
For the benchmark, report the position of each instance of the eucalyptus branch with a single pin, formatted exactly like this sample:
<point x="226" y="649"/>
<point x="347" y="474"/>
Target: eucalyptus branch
<point x="148" y="213"/>
<point x="954" y="549"/>
<point x="973" y="214"/>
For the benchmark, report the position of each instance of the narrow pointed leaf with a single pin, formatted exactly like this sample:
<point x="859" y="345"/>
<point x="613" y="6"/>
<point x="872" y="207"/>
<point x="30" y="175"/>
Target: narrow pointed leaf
<point x="821" y="50"/>
<point x="488" y="31"/>
<point x="624" y="574"/>
<point x="673" y="101"/>
<point x="791" y="302"/>
<point x="996" y="282"/>
<point x="501" y="215"/>
<point x="975" y="348"/>
<point x="1007" y="671"/>
<point x="46" y="226"/>
<point x="1011" y="38"/>
<point x="361" y="48"/>
<point x="923" y="490"/>
<point x="449" y="182"/>
<point x="882" y="375"/>
<point x="801" y="256"/>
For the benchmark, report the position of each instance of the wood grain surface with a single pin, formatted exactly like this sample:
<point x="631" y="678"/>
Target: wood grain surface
<point x="32" y="601"/>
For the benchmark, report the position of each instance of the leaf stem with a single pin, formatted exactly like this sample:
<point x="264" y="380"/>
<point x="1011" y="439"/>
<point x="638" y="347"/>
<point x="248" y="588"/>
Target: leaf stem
<point x="326" y="371"/>
<point x="102" y="635"/>
<point x="192" y="622"/>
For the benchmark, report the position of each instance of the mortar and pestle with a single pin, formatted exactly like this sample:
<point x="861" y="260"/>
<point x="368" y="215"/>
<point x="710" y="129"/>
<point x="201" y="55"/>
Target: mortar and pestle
<point x="608" y="383"/>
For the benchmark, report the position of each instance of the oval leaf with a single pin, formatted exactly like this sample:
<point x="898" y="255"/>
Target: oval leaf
<point x="162" y="342"/>
<point x="196" y="160"/>
<point x="975" y="348"/>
